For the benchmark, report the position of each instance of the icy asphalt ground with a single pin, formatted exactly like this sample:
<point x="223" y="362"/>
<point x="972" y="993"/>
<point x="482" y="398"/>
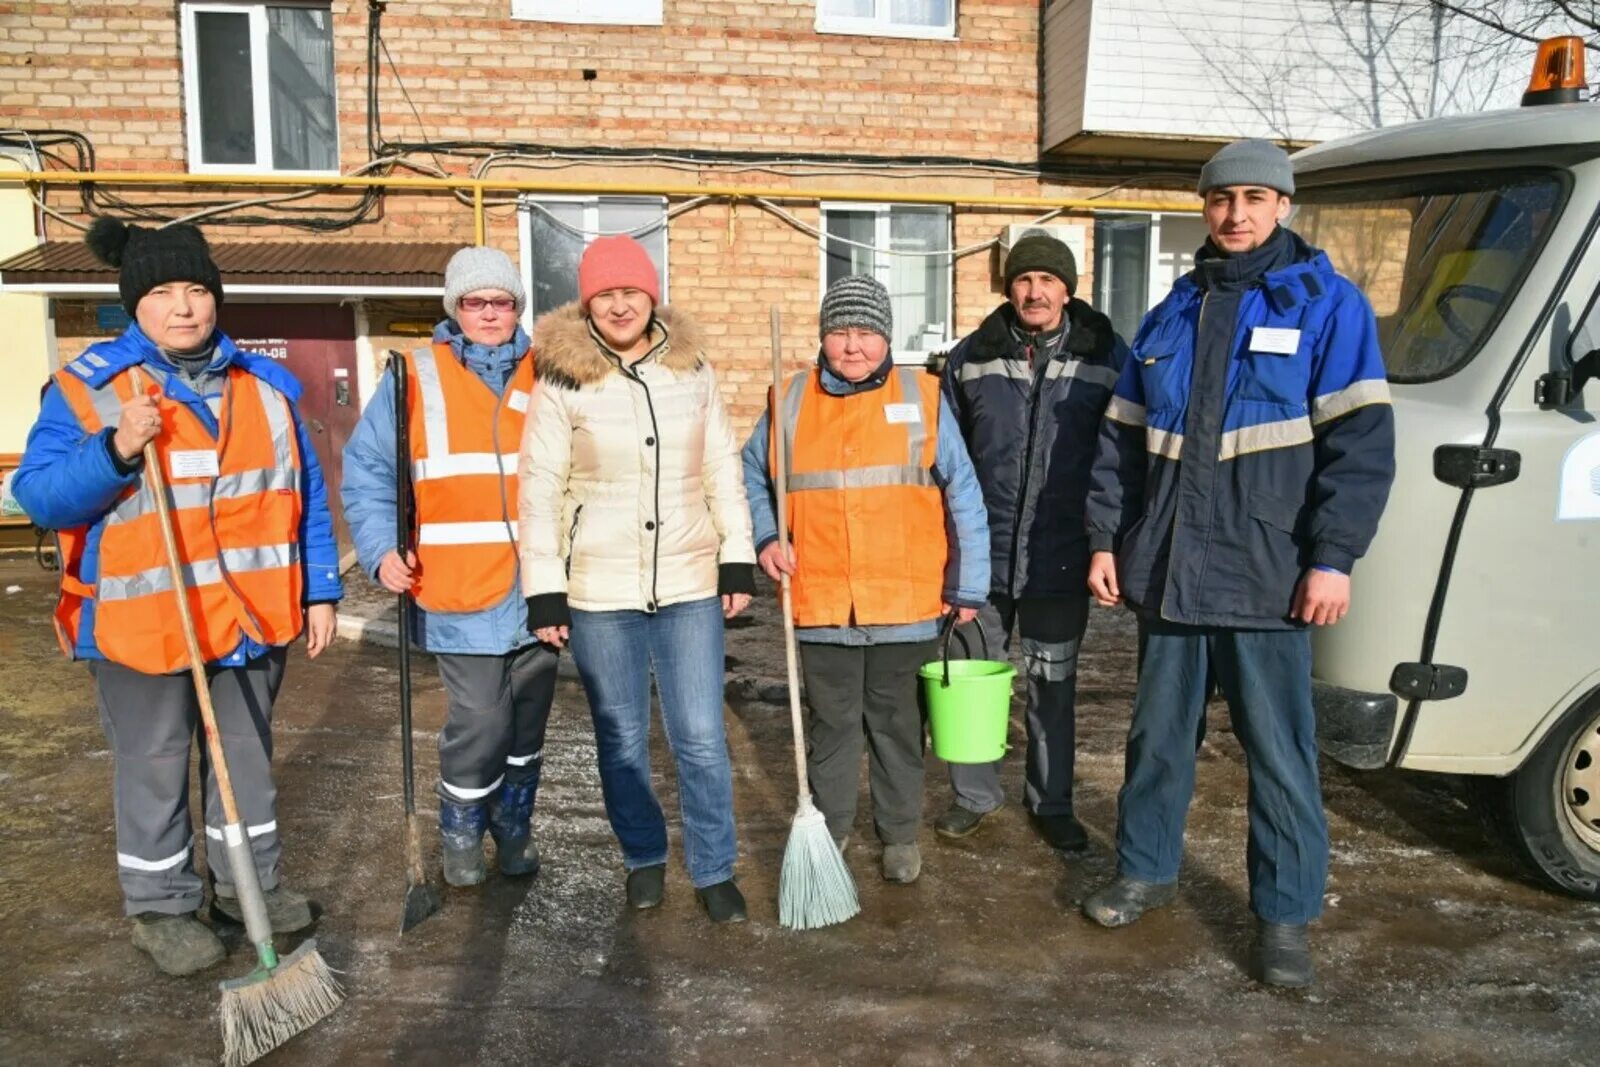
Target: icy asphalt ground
<point x="1435" y="947"/>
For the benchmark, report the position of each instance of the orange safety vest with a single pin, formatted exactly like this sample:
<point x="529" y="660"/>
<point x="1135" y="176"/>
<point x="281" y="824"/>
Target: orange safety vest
<point x="235" y="503"/>
<point x="865" y="513"/>
<point x="464" y="445"/>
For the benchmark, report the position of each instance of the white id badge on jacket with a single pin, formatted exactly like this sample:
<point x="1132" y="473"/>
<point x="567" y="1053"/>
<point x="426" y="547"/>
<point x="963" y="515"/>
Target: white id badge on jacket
<point x="899" y="413"/>
<point x="517" y="401"/>
<point x="1275" y="339"/>
<point x="198" y="463"/>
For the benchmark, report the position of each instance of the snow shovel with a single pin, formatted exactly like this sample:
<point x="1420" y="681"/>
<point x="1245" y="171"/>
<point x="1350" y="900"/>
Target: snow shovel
<point x="814" y="888"/>
<point x="422" y="899"/>
<point x="281" y="997"/>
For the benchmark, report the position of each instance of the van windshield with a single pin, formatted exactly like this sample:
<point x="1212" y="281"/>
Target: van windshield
<point x="1439" y="257"/>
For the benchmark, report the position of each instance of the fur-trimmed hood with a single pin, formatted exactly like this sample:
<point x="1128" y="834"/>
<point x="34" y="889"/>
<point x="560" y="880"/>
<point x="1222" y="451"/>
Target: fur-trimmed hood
<point x="566" y="353"/>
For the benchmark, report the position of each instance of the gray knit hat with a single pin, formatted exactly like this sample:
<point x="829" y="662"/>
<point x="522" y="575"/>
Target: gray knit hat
<point x="1249" y="162"/>
<point x="1037" y="250"/>
<point x="857" y="300"/>
<point x="475" y="268"/>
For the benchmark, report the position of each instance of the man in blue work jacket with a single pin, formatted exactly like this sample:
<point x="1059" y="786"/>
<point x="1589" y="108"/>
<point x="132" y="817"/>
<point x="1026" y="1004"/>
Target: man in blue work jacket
<point x="1245" y="458"/>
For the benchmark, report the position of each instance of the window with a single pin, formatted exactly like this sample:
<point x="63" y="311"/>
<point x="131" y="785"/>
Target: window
<point x="1122" y="270"/>
<point x="1137" y="258"/>
<point x="556" y="230"/>
<point x="892" y="243"/>
<point x="258" y="87"/>
<point x="1440" y="258"/>
<point x="619" y="12"/>
<point x="888" y="18"/>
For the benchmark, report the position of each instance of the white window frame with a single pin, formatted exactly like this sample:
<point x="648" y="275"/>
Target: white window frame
<point x="882" y="210"/>
<point x="591" y="231"/>
<point x="260" y="84"/>
<point x="602" y="12"/>
<point x="879" y="24"/>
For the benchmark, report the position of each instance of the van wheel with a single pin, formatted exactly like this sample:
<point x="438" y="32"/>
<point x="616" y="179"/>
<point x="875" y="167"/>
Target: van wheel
<point x="1549" y="809"/>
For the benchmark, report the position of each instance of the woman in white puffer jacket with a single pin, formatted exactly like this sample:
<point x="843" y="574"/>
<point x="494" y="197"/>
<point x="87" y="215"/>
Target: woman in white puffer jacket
<point x="635" y="545"/>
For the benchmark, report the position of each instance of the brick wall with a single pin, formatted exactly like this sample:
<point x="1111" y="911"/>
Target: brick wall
<point x="719" y="74"/>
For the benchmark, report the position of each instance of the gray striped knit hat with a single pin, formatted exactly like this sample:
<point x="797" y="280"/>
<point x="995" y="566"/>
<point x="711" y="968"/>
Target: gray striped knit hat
<point x="860" y="301"/>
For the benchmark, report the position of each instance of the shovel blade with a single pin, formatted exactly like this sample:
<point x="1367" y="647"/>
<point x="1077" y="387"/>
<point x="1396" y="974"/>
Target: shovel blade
<point x="421" y="902"/>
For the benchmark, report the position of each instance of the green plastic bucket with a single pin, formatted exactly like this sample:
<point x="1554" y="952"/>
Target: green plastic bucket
<point x="969" y="703"/>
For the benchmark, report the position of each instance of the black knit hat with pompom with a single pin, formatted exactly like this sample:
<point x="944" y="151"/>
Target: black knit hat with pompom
<point x="148" y="258"/>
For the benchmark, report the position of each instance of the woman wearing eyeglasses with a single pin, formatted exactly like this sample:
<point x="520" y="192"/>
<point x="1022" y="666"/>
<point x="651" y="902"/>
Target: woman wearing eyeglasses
<point x="635" y="547"/>
<point x="467" y="396"/>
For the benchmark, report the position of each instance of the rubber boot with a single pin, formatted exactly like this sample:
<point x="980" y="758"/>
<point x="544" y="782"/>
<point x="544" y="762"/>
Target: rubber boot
<point x="511" y="824"/>
<point x="461" y="827"/>
<point x="179" y="944"/>
<point x="1124" y="900"/>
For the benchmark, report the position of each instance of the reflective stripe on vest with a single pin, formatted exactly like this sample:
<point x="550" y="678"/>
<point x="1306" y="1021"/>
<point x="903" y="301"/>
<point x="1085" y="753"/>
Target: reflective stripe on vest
<point x="239" y="531"/>
<point x="867" y="514"/>
<point x="463" y="461"/>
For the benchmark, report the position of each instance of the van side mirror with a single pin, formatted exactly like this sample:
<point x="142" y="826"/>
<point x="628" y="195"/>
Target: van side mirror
<point x="1558" y="389"/>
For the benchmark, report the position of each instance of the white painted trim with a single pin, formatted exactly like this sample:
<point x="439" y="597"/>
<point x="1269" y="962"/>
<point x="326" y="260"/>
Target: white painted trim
<point x="328" y="291"/>
<point x="880" y="25"/>
<point x="366" y="357"/>
<point x="598" y="12"/>
<point x="260" y="85"/>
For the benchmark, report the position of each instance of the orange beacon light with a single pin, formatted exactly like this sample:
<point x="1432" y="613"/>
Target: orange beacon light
<point x="1557" y="73"/>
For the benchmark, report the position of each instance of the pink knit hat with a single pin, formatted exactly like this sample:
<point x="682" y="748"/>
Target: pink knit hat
<point x="617" y="262"/>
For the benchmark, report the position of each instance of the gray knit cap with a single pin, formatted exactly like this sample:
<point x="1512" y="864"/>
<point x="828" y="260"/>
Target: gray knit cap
<point x="475" y="268"/>
<point x="1248" y="162"/>
<point x="860" y="301"/>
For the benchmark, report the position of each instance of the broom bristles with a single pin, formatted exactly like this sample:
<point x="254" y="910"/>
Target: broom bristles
<point x="814" y="888"/>
<point x="261" y="1013"/>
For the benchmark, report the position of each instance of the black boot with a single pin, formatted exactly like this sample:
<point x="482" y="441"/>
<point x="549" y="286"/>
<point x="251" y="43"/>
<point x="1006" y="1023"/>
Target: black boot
<point x="723" y="901"/>
<point x="1283" y="958"/>
<point x="647" y="885"/>
<point x="511" y="824"/>
<point x="1063" y="832"/>
<point x="1125" y="899"/>
<point x="461" y="829"/>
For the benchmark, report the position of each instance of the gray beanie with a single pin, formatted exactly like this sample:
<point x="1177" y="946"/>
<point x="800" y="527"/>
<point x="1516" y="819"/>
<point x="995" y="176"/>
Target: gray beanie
<point x="476" y="268"/>
<point x="1249" y="162"/>
<point x="857" y="300"/>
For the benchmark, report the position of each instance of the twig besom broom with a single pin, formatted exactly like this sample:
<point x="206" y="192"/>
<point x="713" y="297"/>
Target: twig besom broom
<point x="814" y="888"/>
<point x="281" y="997"/>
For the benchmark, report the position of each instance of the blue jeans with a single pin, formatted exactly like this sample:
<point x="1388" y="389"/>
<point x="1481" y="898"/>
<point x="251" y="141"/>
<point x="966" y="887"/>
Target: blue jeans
<point x="1266" y="677"/>
<point x="615" y="651"/>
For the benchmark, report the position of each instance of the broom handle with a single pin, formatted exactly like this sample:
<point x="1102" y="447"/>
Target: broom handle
<point x="202" y="688"/>
<point x="781" y="493"/>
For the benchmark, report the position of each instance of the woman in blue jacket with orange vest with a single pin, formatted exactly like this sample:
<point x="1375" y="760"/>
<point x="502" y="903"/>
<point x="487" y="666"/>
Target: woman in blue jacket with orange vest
<point x="261" y="567"/>
<point x="890" y="534"/>
<point x="468" y="396"/>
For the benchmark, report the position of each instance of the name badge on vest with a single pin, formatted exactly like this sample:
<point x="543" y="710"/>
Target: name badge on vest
<point x="197" y="463"/>
<point x="902" y="413"/>
<point x="517" y="401"/>
<point x="1275" y="339"/>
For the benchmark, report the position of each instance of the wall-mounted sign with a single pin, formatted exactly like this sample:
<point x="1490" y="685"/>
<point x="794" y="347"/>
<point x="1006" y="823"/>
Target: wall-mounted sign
<point x="271" y="347"/>
<point x="111" y="318"/>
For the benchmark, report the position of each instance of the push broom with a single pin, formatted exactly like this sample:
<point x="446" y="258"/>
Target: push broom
<point x="281" y="997"/>
<point x="814" y="888"/>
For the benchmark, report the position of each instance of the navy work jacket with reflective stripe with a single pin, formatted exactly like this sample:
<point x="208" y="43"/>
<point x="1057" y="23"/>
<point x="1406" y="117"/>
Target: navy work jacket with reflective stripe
<point x="1250" y="437"/>
<point x="1030" y="427"/>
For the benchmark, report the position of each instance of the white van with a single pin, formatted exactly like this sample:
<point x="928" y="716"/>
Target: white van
<point x="1473" y="642"/>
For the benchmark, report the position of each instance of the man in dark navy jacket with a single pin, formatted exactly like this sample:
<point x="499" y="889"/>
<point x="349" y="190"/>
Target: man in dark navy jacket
<point x="1028" y="389"/>
<point x="1244" y="462"/>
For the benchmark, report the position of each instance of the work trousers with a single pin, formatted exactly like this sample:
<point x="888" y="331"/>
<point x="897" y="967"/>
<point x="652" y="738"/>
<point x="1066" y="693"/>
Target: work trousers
<point x="1266" y="677"/>
<point x="865" y="696"/>
<point x="1051" y="632"/>
<point x="152" y="721"/>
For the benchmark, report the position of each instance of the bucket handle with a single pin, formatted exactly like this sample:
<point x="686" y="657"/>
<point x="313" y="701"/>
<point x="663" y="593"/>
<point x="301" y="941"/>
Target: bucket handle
<point x="949" y="632"/>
